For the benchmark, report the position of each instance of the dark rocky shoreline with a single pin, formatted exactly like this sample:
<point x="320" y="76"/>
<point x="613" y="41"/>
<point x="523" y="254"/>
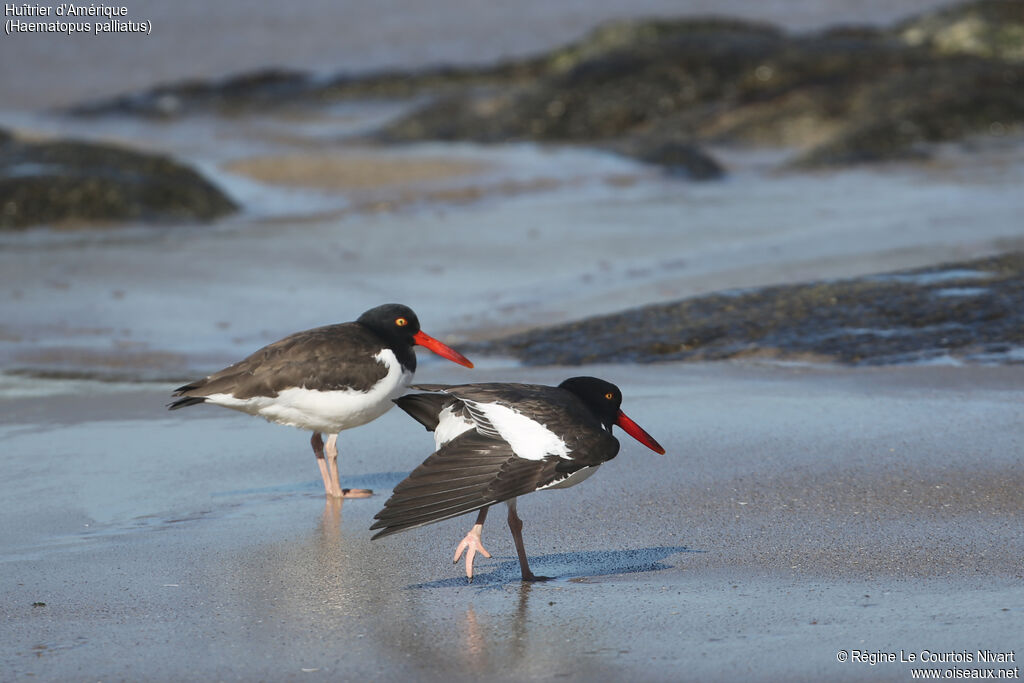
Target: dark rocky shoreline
<point x="970" y="311"/>
<point x="69" y="182"/>
<point x="839" y="96"/>
<point x="657" y="91"/>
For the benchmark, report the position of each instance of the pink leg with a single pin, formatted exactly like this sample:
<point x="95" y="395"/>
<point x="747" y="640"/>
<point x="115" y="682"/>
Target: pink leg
<point x="472" y="543"/>
<point x="318" y="450"/>
<point x="332" y="460"/>
<point x="515" y="525"/>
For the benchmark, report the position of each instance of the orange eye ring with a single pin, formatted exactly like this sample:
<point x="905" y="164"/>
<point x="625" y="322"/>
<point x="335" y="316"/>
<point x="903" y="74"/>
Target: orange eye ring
<point x="401" y="322"/>
<point x="609" y="396"/>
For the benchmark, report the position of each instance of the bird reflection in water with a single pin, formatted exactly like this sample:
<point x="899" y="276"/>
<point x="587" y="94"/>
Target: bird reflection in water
<point x="330" y="521"/>
<point x="480" y="642"/>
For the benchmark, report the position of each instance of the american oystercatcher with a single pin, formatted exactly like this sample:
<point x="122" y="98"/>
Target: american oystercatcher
<point x="326" y="380"/>
<point x="499" y="441"/>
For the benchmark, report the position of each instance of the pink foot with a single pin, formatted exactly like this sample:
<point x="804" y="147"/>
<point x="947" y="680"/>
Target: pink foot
<point x="471" y="544"/>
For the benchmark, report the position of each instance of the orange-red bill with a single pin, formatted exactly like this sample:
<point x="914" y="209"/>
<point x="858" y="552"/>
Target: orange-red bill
<point x="426" y="341"/>
<point x="637" y="432"/>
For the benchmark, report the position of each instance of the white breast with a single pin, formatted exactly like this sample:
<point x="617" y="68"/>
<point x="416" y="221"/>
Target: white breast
<point x="327" y="411"/>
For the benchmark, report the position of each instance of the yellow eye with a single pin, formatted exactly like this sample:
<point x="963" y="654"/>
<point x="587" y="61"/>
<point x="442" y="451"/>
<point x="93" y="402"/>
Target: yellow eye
<point x="401" y="322"/>
<point x="609" y="396"/>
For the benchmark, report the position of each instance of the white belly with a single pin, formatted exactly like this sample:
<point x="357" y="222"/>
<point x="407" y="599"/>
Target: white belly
<point x="573" y="479"/>
<point x="326" y="411"/>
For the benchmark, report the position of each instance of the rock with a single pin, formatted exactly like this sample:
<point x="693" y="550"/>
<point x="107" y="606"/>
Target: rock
<point x="677" y="158"/>
<point x="985" y="28"/>
<point x="268" y="89"/>
<point x="605" y="94"/>
<point x="68" y="181"/>
<point x="941" y="102"/>
<point x="659" y="89"/>
<point x="262" y="87"/>
<point x="844" y="95"/>
<point x="968" y="310"/>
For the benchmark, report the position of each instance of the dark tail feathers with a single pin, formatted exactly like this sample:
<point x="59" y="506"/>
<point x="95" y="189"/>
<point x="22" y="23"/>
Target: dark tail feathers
<point x="187" y="401"/>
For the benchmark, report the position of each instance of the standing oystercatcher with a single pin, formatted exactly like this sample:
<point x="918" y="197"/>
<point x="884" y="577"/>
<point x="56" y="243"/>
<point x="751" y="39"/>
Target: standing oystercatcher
<point x="499" y="441"/>
<point x="326" y="379"/>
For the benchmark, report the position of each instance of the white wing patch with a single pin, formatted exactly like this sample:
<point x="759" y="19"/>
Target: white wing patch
<point x="449" y="426"/>
<point x="528" y="439"/>
<point x="326" y="411"/>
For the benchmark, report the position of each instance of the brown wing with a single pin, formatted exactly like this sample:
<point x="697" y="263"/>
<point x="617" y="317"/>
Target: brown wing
<point x="470" y="472"/>
<point x="331" y="357"/>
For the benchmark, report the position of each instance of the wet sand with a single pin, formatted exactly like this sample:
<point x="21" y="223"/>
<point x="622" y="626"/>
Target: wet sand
<point x="799" y="511"/>
<point x="352" y="172"/>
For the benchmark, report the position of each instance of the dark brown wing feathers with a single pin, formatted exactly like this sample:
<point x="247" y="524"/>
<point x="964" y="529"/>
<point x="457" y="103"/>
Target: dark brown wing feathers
<point x="326" y="358"/>
<point x="479" y="468"/>
<point x="424" y="408"/>
<point x="470" y="472"/>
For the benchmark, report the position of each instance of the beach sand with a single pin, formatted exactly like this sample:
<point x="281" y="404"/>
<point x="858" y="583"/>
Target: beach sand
<point x="799" y="511"/>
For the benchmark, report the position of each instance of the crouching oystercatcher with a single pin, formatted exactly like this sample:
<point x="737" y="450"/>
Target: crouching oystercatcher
<point x="499" y="441"/>
<point x="326" y="380"/>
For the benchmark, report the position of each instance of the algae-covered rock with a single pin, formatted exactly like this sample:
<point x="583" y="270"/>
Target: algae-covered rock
<point x="263" y="87"/>
<point x="838" y="96"/>
<point x="940" y="102"/>
<point x="968" y="310"/>
<point x="630" y="34"/>
<point x="678" y="158"/>
<point x="608" y="93"/>
<point x="69" y="182"/>
<point x="986" y="28"/>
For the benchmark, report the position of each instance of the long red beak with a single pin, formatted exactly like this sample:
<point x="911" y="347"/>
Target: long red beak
<point x="637" y="432"/>
<point x="425" y="340"/>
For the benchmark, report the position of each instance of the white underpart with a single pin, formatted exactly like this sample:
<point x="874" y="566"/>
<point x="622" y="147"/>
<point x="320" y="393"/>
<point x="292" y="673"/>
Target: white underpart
<point x="573" y="479"/>
<point x="528" y="439"/>
<point x="449" y="426"/>
<point x="326" y="411"/>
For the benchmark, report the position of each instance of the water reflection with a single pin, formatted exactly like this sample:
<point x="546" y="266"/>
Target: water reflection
<point x="345" y="604"/>
<point x="330" y="522"/>
<point x="480" y="645"/>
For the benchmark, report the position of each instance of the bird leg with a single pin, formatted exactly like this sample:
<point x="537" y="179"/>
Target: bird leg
<point x="472" y="543"/>
<point x="331" y="450"/>
<point x="515" y="525"/>
<point x="318" y="450"/>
